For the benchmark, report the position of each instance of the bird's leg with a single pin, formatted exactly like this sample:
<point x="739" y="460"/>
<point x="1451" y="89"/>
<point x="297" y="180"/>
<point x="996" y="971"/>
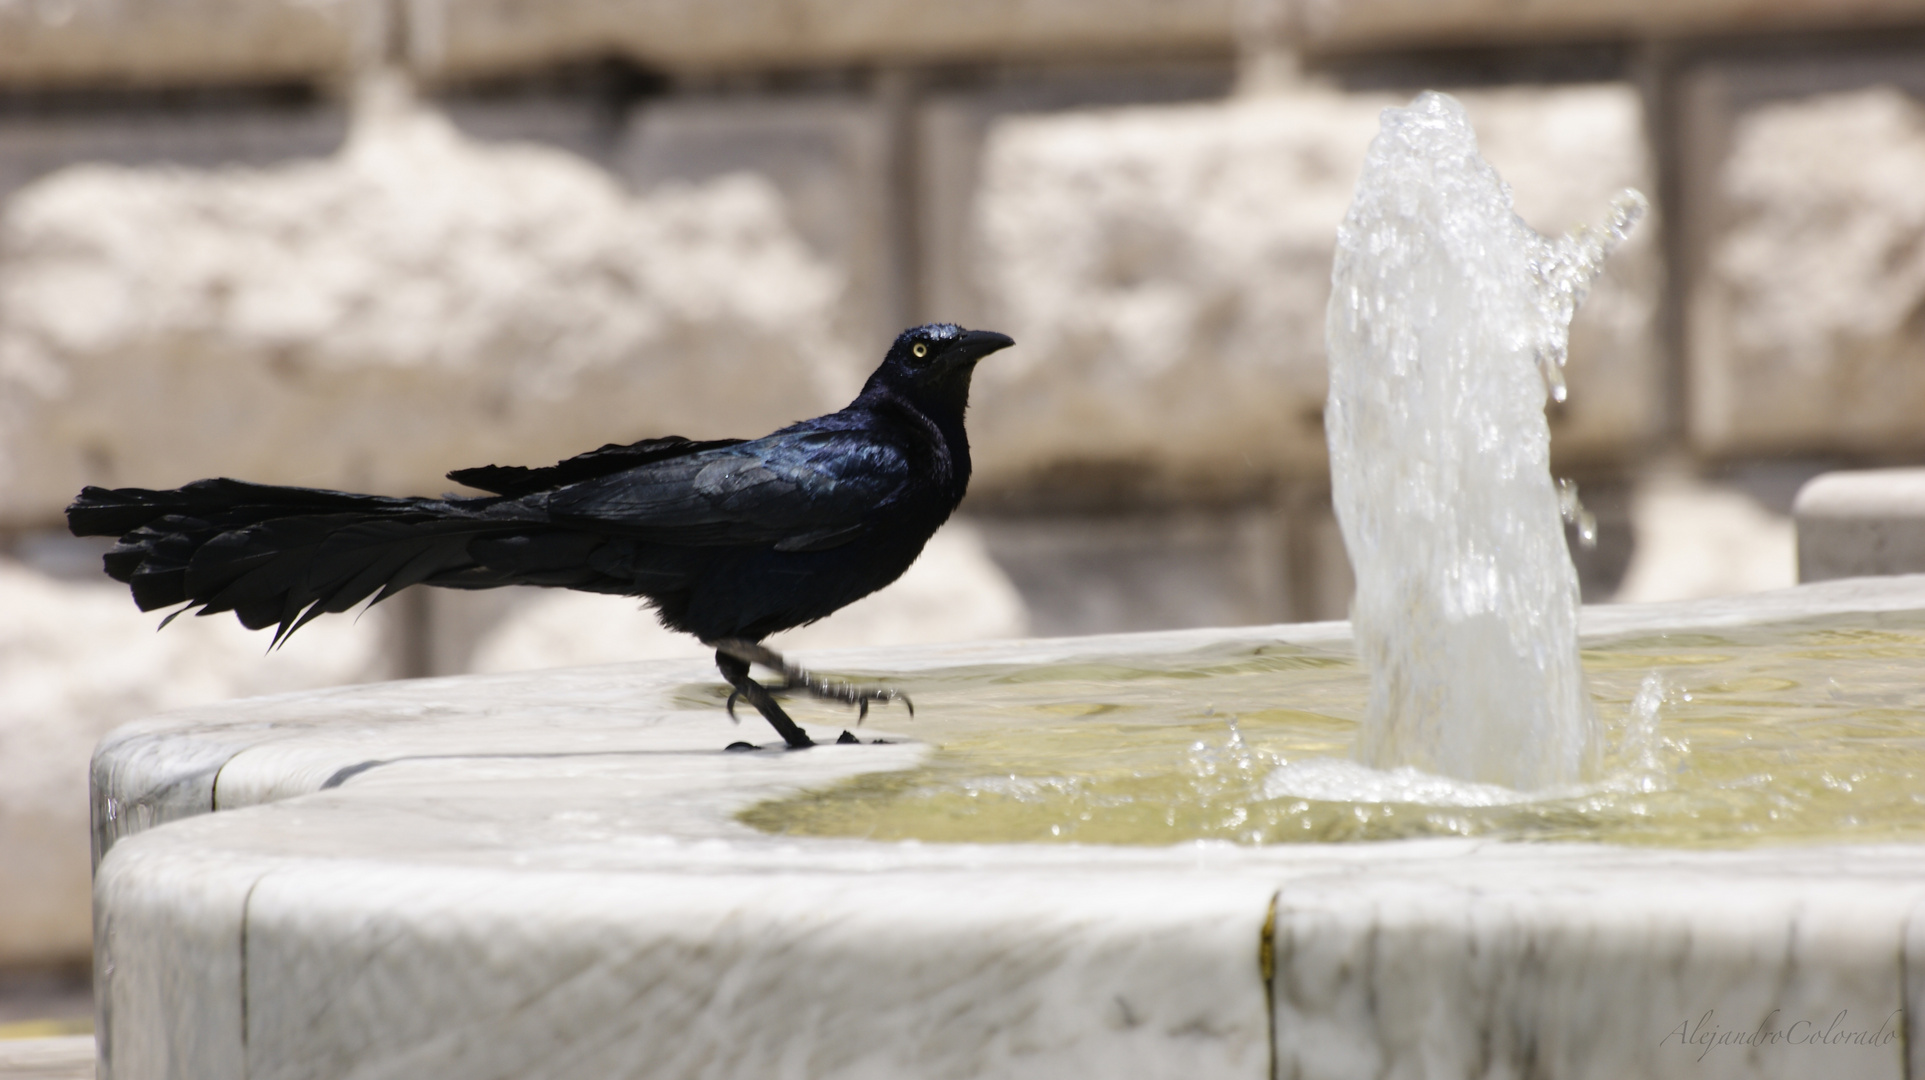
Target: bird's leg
<point x="754" y="652"/>
<point x="736" y="671"/>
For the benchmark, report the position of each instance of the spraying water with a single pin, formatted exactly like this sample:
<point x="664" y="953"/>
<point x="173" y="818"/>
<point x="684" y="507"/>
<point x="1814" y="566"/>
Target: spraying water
<point x="1447" y="329"/>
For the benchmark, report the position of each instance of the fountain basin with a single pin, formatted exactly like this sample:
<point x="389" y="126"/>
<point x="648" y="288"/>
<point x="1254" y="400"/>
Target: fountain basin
<point x="544" y="875"/>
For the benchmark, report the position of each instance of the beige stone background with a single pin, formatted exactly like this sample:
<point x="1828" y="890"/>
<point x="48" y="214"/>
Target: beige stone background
<point x="357" y="243"/>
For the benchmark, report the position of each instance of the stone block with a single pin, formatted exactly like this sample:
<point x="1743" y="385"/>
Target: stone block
<point x="572" y="119"/>
<point x="77" y="659"/>
<point x="418" y="303"/>
<point x="829" y="159"/>
<point x="1164" y="270"/>
<point x="1106" y="573"/>
<point x="1352" y="25"/>
<point x="198" y="42"/>
<point x="1805" y="323"/>
<point x="1697" y="538"/>
<point x="224" y="131"/>
<point x="462" y="37"/>
<point x="95" y="42"/>
<point x="81" y="42"/>
<point x="951" y="132"/>
<point x="1854" y="524"/>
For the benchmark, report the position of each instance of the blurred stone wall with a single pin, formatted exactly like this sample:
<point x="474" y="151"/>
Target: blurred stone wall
<point x="357" y="243"/>
<point x="1806" y="320"/>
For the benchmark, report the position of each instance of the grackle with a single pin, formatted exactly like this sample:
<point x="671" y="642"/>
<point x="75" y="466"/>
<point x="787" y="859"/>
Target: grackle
<point x="730" y="540"/>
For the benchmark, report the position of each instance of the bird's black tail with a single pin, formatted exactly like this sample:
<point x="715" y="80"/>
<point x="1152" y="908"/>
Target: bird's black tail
<point x="281" y="555"/>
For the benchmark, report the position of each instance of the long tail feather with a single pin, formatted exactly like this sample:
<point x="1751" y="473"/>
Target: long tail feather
<point x="281" y="557"/>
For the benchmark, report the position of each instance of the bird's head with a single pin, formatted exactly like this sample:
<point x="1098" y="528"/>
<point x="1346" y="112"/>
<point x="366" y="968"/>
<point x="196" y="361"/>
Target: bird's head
<point x="930" y="365"/>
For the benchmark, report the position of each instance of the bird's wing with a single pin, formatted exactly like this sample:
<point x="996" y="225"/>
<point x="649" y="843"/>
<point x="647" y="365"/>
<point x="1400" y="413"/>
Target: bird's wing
<point x="516" y="480"/>
<point x="799" y="490"/>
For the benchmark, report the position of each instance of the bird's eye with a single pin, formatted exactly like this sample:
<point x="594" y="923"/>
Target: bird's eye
<point x="919" y="349"/>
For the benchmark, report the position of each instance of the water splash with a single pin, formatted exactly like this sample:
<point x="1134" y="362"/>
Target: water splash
<point x="1448" y="325"/>
<point x="1640" y="750"/>
<point x="1335" y="780"/>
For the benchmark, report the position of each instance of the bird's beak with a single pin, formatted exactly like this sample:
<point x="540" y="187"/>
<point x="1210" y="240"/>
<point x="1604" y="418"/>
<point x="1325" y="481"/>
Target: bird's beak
<point x="976" y="344"/>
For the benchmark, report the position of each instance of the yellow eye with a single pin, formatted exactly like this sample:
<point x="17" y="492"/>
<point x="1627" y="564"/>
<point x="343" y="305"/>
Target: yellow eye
<point x="919" y="349"/>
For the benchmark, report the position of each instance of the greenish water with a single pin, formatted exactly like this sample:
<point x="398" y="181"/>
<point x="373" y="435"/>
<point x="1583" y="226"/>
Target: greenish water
<point x="1797" y="732"/>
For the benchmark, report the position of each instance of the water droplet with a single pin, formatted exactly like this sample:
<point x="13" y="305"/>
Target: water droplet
<point x="1576" y="515"/>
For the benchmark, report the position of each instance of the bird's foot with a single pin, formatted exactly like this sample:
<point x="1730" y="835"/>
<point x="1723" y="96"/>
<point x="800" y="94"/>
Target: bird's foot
<point x="736" y="671"/>
<point x="796" y="678"/>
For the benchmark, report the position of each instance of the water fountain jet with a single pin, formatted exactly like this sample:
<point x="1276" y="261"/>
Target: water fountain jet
<point x="1447" y="331"/>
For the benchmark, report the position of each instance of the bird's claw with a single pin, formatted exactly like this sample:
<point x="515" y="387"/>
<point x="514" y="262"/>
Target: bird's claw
<point x="734" y="695"/>
<point x="796" y="678"/>
<point x="850" y="694"/>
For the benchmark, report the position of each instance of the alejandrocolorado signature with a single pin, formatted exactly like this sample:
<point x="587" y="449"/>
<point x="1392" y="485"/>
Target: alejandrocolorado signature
<point x="1774" y="1031"/>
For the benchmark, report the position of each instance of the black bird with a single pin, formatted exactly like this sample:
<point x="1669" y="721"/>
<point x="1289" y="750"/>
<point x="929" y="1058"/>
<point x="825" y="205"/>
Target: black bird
<point x="729" y="540"/>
